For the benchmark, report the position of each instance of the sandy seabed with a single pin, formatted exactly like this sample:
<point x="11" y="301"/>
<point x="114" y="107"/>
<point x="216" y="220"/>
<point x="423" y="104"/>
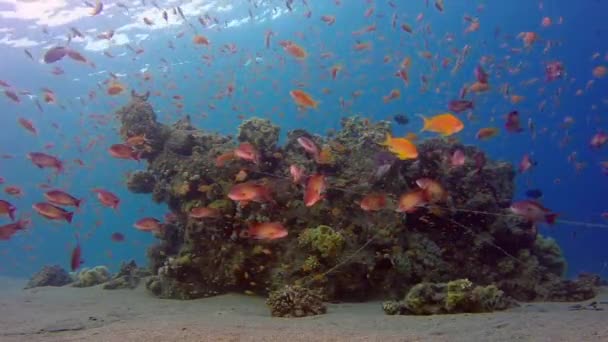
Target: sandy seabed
<point x="94" y="314"/>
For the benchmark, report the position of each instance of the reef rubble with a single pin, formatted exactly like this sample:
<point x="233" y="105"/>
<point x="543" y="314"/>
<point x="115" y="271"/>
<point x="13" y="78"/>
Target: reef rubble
<point x="322" y="252"/>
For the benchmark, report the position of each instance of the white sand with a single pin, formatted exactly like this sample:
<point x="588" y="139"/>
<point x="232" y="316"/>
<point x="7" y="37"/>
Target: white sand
<point x="94" y="314"/>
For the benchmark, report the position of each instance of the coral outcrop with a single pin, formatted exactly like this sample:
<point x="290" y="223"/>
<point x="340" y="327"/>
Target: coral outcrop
<point x="128" y="277"/>
<point x="295" y="301"/>
<point x="333" y="247"/>
<point x="88" y="277"/>
<point x="53" y="275"/>
<point x="456" y="296"/>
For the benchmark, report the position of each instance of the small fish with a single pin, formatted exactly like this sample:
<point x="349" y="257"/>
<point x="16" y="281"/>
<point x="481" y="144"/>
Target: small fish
<point x="315" y="187"/>
<point x="247" y="151"/>
<point x="52" y="212"/>
<point x="8" y="230"/>
<point x="76" y="257"/>
<point x="486" y="133"/>
<point x="373" y="202"/>
<point x="444" y="124"/>
<point x="533" y="212"/>
<point x="303" y="99"/>
<point x="55" y="54"/>
<point x="148" y="224"/>
<point x="60" y="197"/>
<point x="117" y="237"/>
<point x="309" y="146"/>
<point x="267" y="231"/>
<point x="294" y="50"/>
<point x="107" y="198"/>
<point x="8" y="209"/>
<point x="249" y="192"/>
<point x="401" y="119"/>
<point x="598" y="140"/>
<point x="297" y="174"/>
<point x="411" y="201"/>
<point x="28" y="125"/>
<point x="459" y="106"/>
<point x="458" y="158"/>
<point x="123" y="151"/>
<point x="526" y="163"/>
<point x="403" y="148"/>
<point x="204" y="212"/>
<point x="513" y="123"/>
<point x="43" y="160"/>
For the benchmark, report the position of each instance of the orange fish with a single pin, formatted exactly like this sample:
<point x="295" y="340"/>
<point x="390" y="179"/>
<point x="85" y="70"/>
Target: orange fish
<point x="28" y="125"/>
<point x="445" y="124"/>
<point x="515" y="99"/>
<point x="249" y="192"/>
<point x="240" y="176"/>
<point x="204" y="212"/>
<point x="295" y="50"/>
<point x="373" y="202"/>
<point x="314" y="190"/>
<point x="328" y="19"/>
<point x="200" y="40"/>
<point x="115" y="88"/>
<point x="267" y="231"/>
<point x="137" y="140"/>
<point x="107" y="198"/>
<point x="247" y="151"/>
<point x="600" y="71"/>
<point x="486" y="133"/>
<point x="433" y="191"/>
<point x="335" y="70"/>
<point x="409" y="202"/>
<point x="303" y="99"/>
<point x="222" y="159"/>
<point x="403" y="148"/>
<point x="479" y="87"/>
<point x="148" y="224"/>
<point x="52" y="212"/>
<point x="394" y="94"/>
<point x="528" y="38"/>
<point x="13" y="190"/>
<point x="59" y="197"/>
<point x="123" y="151"/>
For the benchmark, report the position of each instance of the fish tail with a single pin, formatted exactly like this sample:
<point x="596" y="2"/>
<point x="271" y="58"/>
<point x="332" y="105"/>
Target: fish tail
<point x="69" y="216"/>
<point x="551" y="218"/>
<point x="425" y="122"/>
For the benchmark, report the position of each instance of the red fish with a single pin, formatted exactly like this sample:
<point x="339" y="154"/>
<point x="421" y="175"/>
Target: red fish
<point x="222" y="159"/>
<point x="204" y="212"/>
<point x="309" y="146"/>
<point x="28" y="125"/>
<point x="123" y="151"/>
<point x="7" y="208"/>
<point x="526" y="163"/>
<point x="76" y="257"/>
<point x="533" y="211"/>
<point x="297" y="174"/>
<point x="107" y="198"/>
<point x="59" y="197"/>
<point x="12" y="95"/>
<point x="117" y="237"/>
<point x="247" y="151"/>
<point x="148" y="224"/>
<point x="43" y="160"/>
<point x="13" y="190"/>
<point x="249" y="192"/>
<point x="8" y="230"/>
<point x="513" y="123"/>
<point x="52" y="212"/>
<point x="598" y="140"/>
<point x="314" y="190"/>
<point x="267" y="231"/>
<point x="373" y="202"/>
<point x="459" y="106"/>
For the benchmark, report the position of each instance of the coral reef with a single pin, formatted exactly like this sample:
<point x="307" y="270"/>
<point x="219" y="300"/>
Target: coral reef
<point x="92" y="276"/>
<point x="128" y="277"/>
<point x="53" y="275"/>
<point x="295" y="301"/>
<point x="188" y="167"/>
<point x="456" y="296"/>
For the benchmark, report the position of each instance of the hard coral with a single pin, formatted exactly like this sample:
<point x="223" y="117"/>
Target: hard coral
<point x="295" y="301"/>
<point x="322" y="240"/>
<point x="92" y="276"/>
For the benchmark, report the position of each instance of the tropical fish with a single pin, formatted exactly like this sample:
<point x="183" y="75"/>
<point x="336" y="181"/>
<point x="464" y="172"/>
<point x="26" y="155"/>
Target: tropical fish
<point x="297" y="174"/>
<point x="247" y="151"/>
<point x="148" y="224"/>
<point x="444" y="124"/>
<point x="59" y="197"/>
<point x="76" y="257"/>
<point x="403" y="148"/>
<point x="433" y="191"/>
<point x="117" y="237"/>
<point x="294" y="49"/>
<point x="54" y="54"/>
<point x="598" y="140"/>
<point x="526" y="163"/>
<point x="200" y="40"/>
<point x="204" y="212"/>
<point x="249" y="192"/>
<point x="486" y="133"/>
<point x="43" y="160"/>
<point x="267" y="231"/>
<point x="28" y="125"/>
<point x="533" y="212"/>
<point x="513" y="123"/>
<point x="107" y="198"/>
<point x="458" y="158"/>
<point x="8" y="230"/>
<point x="373" y="202"/>
<point x="123" y="151"/>
<point x="8" y="209"/>
<point x="315" y="187"/>
<point x="410" y="201"/>
<point x="303" y="99"/>
<point x="52" y="212"/>
<point x="458" y="106"/>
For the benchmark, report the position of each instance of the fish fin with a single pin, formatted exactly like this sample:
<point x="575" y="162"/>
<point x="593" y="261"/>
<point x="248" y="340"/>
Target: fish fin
<point x="551" y="218"/>
<point x="425" y="122"/>
<point x="68" y="217"/>
<point x="387" y="140"/>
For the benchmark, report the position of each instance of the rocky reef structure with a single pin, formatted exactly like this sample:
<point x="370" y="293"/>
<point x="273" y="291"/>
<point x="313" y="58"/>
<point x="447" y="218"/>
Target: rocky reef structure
<point x="295" y="301"/>
<point x="128" y="277"/>
<point x="456" y="296"/>
<point x="334" y="248"/>
<point x="53" y="275"/>
<point x="88" y="277"/>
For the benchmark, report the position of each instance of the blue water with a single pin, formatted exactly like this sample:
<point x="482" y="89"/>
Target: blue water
<point x="261" y="89"/>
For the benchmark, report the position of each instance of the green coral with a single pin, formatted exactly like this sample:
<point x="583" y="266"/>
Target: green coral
<point x="311" y="264"/>
<point x="92" y="276"/>
<point x="322" y="240"/>
<point x="457" y="294"/>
